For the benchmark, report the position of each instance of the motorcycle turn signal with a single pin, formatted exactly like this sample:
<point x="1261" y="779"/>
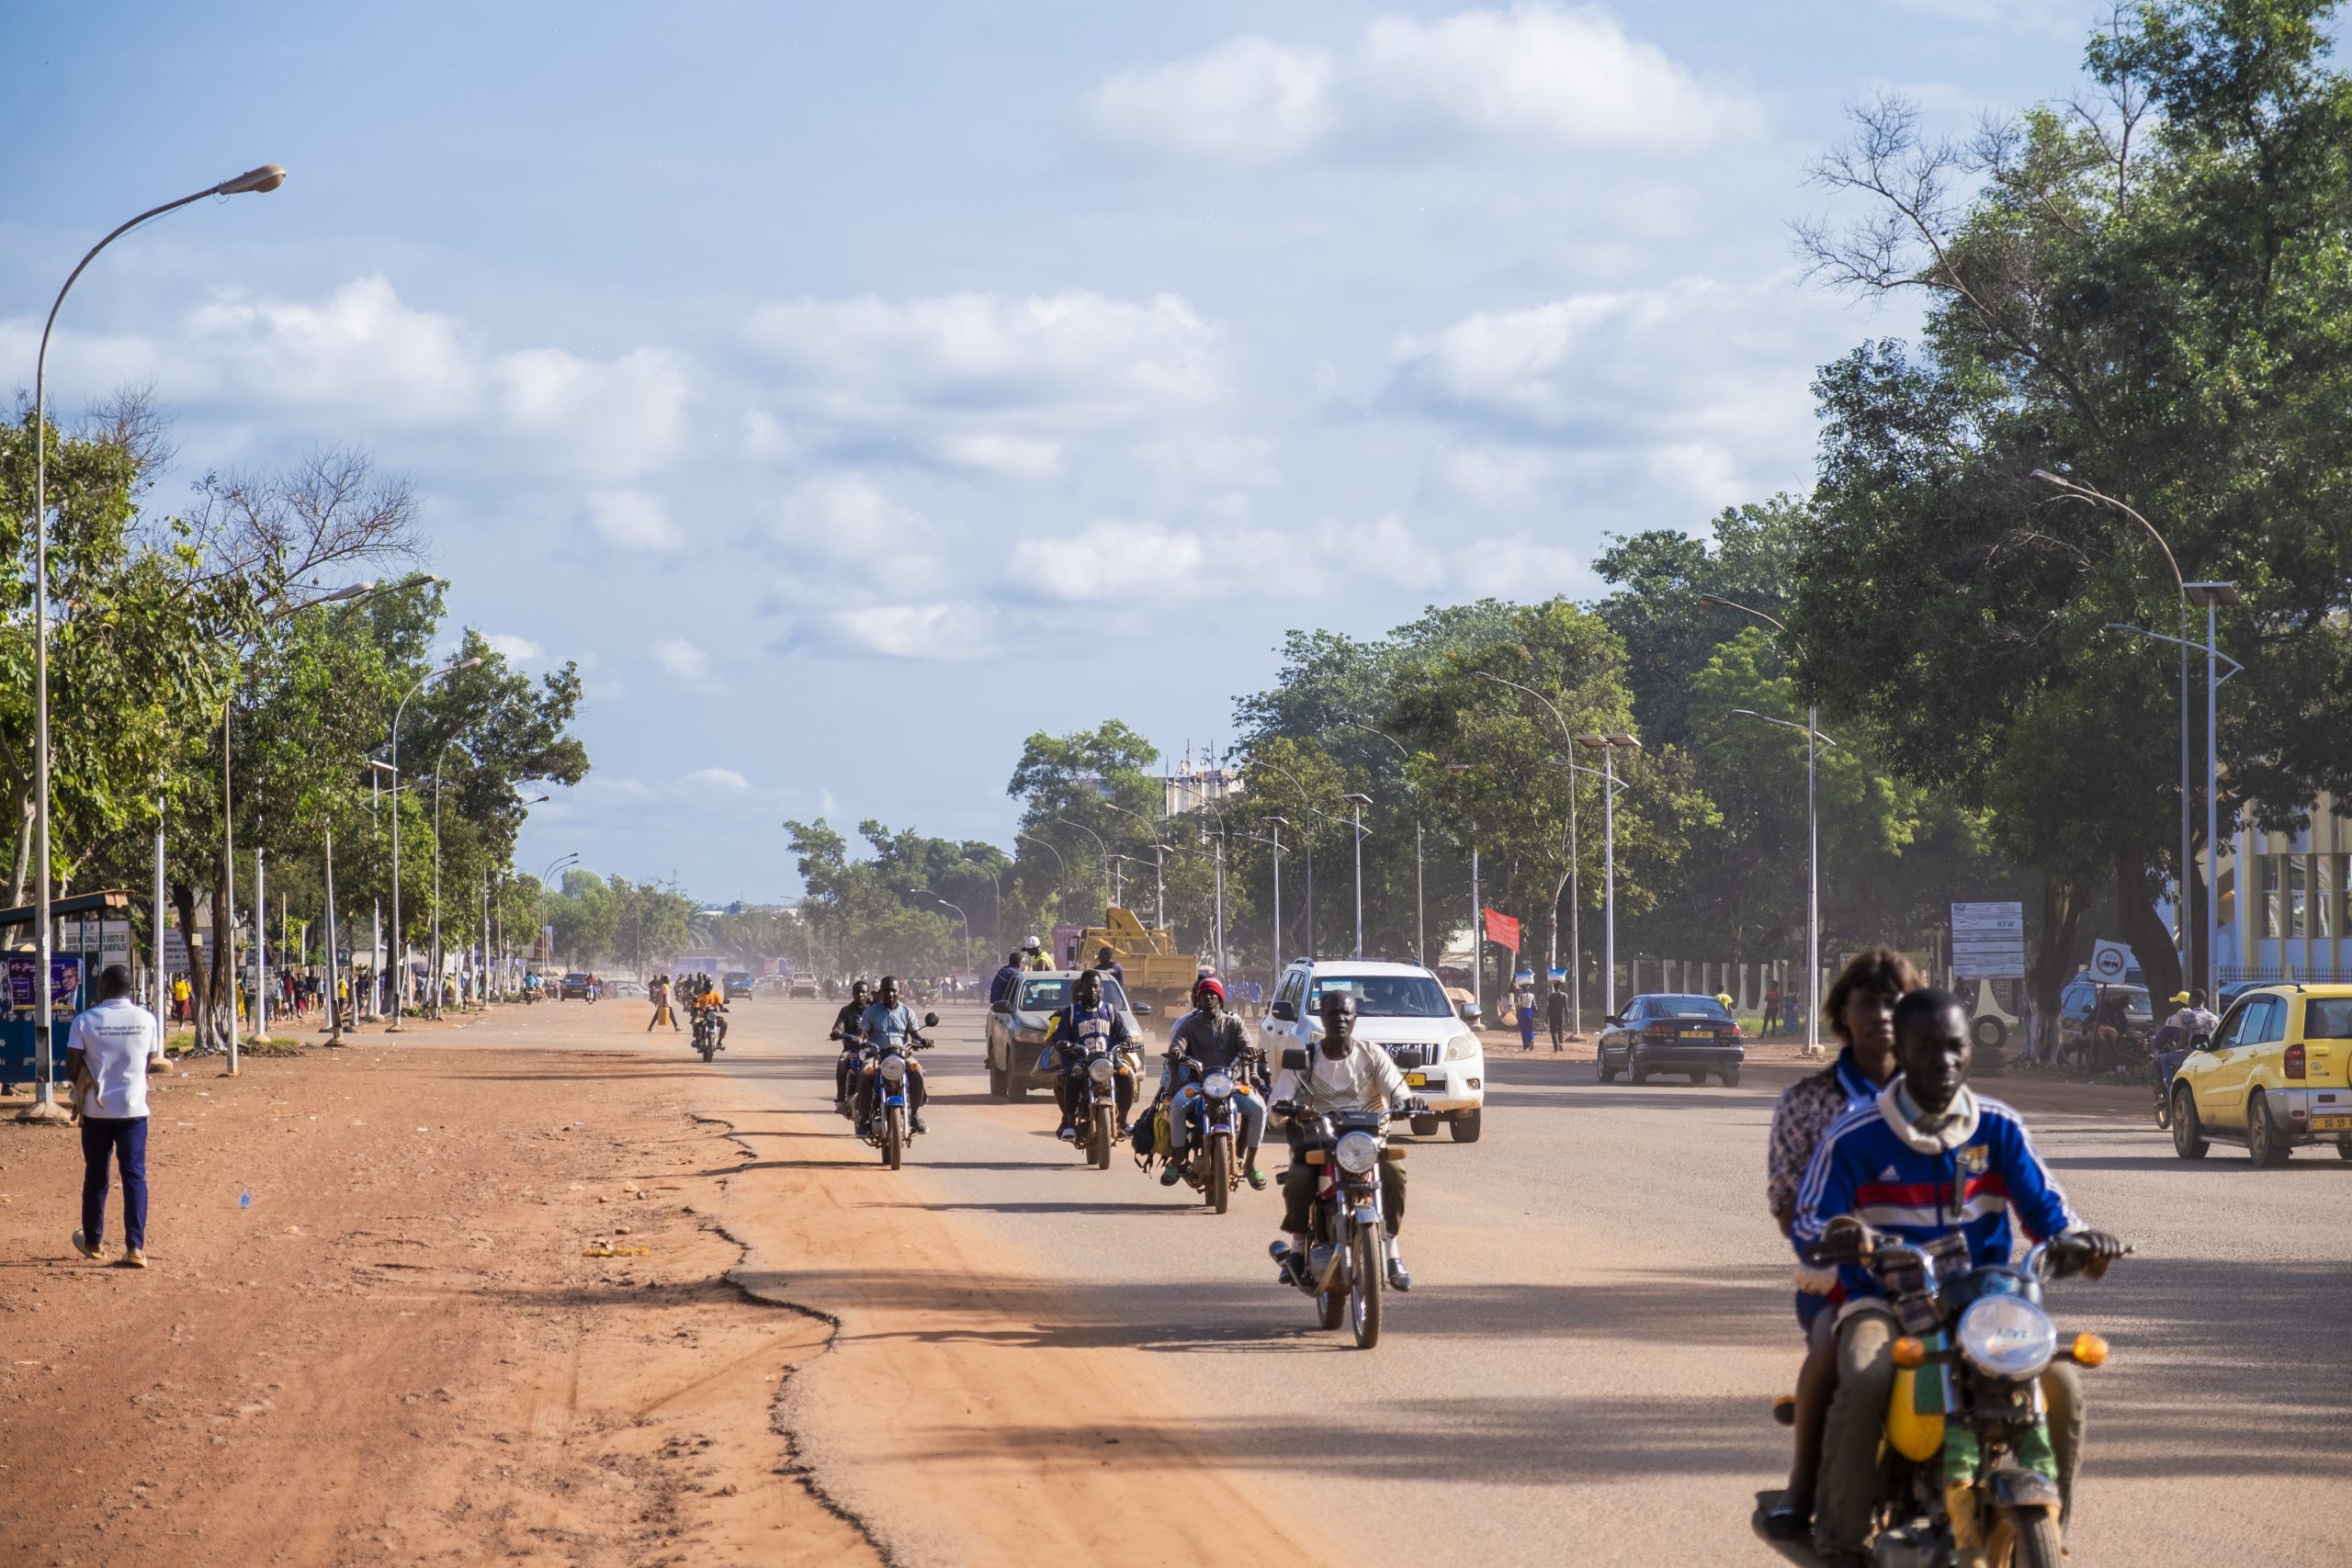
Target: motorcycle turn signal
<point x="1909" y="1351"/>
<point x="2089" y="1351"/>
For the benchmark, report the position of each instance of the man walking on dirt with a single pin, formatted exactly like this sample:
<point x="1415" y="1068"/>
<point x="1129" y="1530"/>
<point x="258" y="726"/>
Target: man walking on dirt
<point x="661" y="1010"/>
<point x="108" y="1058"/>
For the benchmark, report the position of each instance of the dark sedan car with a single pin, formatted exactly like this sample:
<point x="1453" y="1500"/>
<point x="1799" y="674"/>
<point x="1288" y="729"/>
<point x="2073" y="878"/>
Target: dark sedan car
<point x="1672" y="1034"/>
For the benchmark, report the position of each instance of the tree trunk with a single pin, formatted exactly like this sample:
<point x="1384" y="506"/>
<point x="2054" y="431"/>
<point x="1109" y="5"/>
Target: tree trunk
<point x="199" y="983"/>
<point x="222" y="1022"/>
<point x="2062" y="915"/>
<point x="24" y="849"/>
<point x="2143" y="929"/>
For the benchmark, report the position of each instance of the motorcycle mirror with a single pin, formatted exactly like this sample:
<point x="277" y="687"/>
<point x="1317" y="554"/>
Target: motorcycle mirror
<point x="1294" y="1060"/>
<point x="930" y="1020"/>
<point x="1287" y="1012"/>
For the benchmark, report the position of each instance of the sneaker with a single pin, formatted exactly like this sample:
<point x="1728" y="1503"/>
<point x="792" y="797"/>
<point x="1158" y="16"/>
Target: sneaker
<point x="1172" y="1175"/>
<point x="1067" y="1135"/>
<point x="84" y="1245"/>
<point x="1399" y="1278"/>
<point x="1257" y="1179"/>
<point x="915" y="1124"/>
<point x="134" y="1258"/>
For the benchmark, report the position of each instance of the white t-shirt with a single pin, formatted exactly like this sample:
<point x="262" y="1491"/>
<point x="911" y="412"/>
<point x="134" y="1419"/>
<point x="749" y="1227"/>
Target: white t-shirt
<point x="114" y="1038"/>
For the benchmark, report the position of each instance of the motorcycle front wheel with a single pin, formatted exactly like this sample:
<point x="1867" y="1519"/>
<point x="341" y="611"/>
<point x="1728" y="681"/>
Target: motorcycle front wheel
<point x="708" y="1049"/>
<point x="1364" y="1289"/>
<point x="1219" y="1186"/>
<point x="894" y="1138"/>
<point x="2023" y="1538"/>
<point x="2163" y="1107"/>
<point x="1102" y="1138"/>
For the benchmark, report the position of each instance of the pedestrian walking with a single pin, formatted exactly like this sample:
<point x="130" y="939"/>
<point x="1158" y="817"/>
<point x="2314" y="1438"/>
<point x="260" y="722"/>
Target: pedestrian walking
<point x="179" y="999"/>
<point x="660" y="993"/>
<point x="1555" y="1013"/>
<point x="1522" y="996"/>
<point x="1771" y="1024"/>
<point x="109" y="1055"/>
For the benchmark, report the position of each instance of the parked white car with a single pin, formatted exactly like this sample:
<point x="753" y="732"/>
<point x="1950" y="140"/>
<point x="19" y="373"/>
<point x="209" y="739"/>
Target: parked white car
<point x="1402" y="1009"/>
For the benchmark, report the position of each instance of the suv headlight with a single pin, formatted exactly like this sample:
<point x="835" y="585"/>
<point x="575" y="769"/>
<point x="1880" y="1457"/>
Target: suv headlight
<point x="1357" y="1153"/>
<point x="1460" y="1046"/>
<point x="2008" y="1337"/>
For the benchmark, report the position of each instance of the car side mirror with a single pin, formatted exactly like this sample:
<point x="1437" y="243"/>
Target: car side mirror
<point x="999" y="1007"/>
<point x="1294" y="1060"/>
<point x="1467" y="1011"/>
<point x="1287" y="1012"/>
<point x="1142" y="1010"/>
<point x="1614" y="1018"/>
<point x="930" y="1020"/>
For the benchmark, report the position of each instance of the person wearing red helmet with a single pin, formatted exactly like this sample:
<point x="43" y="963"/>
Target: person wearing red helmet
<point x="1210" y="1040"/>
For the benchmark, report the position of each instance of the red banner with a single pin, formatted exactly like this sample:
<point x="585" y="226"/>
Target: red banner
<point x="1502" y="930"/>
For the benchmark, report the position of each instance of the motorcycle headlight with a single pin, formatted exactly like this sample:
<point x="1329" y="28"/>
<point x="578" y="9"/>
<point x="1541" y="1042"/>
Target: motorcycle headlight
<point x="1217" y="1085"/>
<point x="1461" y="1045"/>
<point x="894" y="1067"/>
<point x="1101" y="1070"/>
<point x="1357" y="1153"/>
<point x="2008" y="1337"/>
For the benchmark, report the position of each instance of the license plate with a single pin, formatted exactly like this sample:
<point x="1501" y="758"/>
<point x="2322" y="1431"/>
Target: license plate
<point x="1698" y="1034"/>
<point x="2332" y="1124"/>
<point x="1417" y="1080"/>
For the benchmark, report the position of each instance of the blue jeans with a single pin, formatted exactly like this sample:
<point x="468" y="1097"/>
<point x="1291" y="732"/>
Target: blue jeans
<point x="125" y="1139"/>
<point x="1249" y="1109"/>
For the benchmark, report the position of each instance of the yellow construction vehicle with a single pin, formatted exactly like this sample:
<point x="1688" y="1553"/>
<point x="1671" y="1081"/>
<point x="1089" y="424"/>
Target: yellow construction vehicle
<point x="1157" y="971"/>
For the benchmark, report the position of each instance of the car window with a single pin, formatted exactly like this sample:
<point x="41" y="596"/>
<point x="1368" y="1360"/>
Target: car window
<point x="1044" y="996"/>
<point x="1636" y="1010"/>
<point x="1386" y="995"/>
<point x="1687" y="1007"/>
<point x="2266" y="1020"/>
<point x="2076" y="1001"/>
<point x="2232" y="1030"/>
<point x="2327" y="1018"/>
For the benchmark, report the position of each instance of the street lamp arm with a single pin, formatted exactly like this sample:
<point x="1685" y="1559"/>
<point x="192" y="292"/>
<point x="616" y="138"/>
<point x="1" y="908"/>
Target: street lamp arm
<point x="1786" y="723"/>
<point x="2235" y="668"/>
<point x="2085" y="492"/>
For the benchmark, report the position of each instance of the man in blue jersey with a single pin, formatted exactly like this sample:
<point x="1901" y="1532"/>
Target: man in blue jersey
<point x="1929" y="1163"/>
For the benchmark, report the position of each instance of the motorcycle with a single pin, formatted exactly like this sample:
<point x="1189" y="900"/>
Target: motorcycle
<point x="886" y="1062"/>
<point x="1968" y="1478"/>
<point x="2165" y="1057"/>
<point x="1344" y="1269"/>
<point x="705" y="1035"/>
<point x="1097" y="1122"/>
<point x="1212" y="1164"/>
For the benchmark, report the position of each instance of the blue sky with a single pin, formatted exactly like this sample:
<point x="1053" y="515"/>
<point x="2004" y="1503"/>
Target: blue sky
<point x="853" y="391"/>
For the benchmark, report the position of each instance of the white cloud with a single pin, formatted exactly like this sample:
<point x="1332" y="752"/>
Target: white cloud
<point x="934" y="631"/>
<point x="1517" y="567"/>
<point x="1078" y="354"/>
<point x="1014" y="457"/>
<point x="632" y="520"/>
<point x="726" y="779"/>
<point x="360" y="350"/>
<point x="1539" y="73"/>
<point x="1110" y="560"/>
<point x="683" y="661"/>
<point x="516" y="649"/>
<point x="613" y="421"/>
<point x="1248" y="100"/>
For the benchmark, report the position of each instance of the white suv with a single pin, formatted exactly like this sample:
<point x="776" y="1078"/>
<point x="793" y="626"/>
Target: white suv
<point x="1402" y="1009"/>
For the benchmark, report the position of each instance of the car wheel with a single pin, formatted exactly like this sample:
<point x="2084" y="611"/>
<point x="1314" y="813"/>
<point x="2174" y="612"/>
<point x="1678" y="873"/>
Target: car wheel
<point x="2188" y="1132"/>
<point x="1466" y="1127"/>
<point x="1425" y="1126"/>
<point x="996" y="1080"/>
<point x="2264" y="1143"/>
<point x="1730" y="1077"/>
<point x="2344" y="1148"/>
<point x="1635" y="1074"/>
<point x="1600" y="1067"/>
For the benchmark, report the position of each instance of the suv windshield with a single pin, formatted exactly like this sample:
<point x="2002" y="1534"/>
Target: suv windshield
<point x="1051" y="996"/>
<point x="1385" y="996"/>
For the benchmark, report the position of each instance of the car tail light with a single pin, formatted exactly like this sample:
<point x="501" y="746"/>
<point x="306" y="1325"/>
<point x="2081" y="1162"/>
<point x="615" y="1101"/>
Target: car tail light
<point x="1658" y="1032"/>
<point x="2295" y="1060"/>
<point x="1732" y="1032"/>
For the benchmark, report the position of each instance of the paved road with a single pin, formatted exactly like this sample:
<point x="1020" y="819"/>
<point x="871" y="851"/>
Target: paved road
<point x="1599" y="1319"/>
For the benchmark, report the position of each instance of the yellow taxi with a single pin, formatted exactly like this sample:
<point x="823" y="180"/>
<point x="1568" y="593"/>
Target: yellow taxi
<point x="2277" y="1073"/>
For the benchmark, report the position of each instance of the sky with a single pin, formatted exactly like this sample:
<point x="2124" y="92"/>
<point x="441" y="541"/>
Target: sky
<point x="853" y="391"/>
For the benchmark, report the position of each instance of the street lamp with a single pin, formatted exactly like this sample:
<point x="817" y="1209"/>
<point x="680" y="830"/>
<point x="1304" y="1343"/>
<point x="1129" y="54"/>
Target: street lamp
<point x="1099" y="844"/>
<point x="1608" y="745"/>
<point x="1274" y="964"/>
<point x="959" y="914"/>
<point x="1032" y="837"/>
<point x="1159" y="864"/>
<point x="44" y="1108"/>
<point x="1574" y="876"/>
<point x="400" y="938"/>
<point x="1420" y="918"/>
<point x="2076" y="491"/>
<point x="1813" y="827"/>
<point x="1358" y="802"/>
<point x="2209" y="596"/>
<point x="1302" y="806"/>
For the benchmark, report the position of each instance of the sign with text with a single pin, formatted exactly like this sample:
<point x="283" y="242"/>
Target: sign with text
<point x="2112" y="961"/>
<point x="114" y="941"/>
<point x="1502" y="931"/>
<point x="1988" y="941"/>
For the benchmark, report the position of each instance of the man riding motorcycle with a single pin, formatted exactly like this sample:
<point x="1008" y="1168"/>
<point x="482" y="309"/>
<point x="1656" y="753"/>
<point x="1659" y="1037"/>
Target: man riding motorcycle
<point x="848" y="1033"/>
<point x="1929" y="1164"/>
<point x="1342" y="1074"/>
<point x="1074" y="1031"/>
<point x="885" y="1020"/>
<point x="1210" y="1040"/>
<point x="713" y="1006"/>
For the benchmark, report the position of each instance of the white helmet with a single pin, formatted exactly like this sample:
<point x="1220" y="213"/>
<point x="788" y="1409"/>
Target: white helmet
<point x="1034" y="943"/>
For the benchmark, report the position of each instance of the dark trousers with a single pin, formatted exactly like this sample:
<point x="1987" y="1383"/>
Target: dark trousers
<point x="1559" y="1021"/>
<point x="124" y="1139"/>
<point x="1298" y="1195"/>
<point x="1070" y="1090"/>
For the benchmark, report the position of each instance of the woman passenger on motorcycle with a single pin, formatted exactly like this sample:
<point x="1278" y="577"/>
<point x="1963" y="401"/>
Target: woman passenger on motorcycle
<point x="1859" y="1010"/>
<point x="1342" y="1074"/>
<point x="889" y="1019"/>
<point x="1210" y="1040"/>
<point x="1073" y="1032"/>
<point x="846" y="1031"/>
